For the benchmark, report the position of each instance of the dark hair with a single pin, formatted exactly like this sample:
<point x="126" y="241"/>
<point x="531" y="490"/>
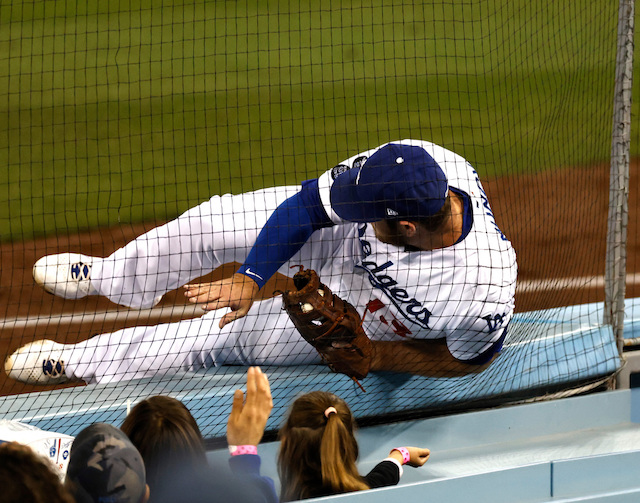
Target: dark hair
<point x="26" y="477"/>
<point x="432" y="223"/>
<point x="318" y="452"/>
<point x="167" y="435"/>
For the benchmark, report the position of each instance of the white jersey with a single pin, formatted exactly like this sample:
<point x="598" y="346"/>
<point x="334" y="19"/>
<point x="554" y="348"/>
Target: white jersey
<point x="464" y="293"/>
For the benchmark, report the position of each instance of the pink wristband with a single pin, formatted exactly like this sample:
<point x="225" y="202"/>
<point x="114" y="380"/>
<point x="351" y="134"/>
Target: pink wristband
<point x="405" y="454"/>
<point x="238" y="450"/>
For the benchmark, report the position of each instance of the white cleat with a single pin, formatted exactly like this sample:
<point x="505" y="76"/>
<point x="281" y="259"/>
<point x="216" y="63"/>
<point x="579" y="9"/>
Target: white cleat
<point x="65" y="275"/>
<point x="39" y="362"/>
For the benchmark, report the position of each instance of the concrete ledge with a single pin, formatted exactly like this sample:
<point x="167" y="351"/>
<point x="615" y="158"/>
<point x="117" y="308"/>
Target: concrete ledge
<point x="565" y="450"/>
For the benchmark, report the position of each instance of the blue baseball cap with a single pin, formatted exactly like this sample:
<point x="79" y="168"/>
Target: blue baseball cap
<point x="397" y="182"/>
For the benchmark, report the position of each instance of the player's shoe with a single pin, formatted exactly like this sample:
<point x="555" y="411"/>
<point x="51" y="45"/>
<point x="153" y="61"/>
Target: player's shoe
<point x="39" y="362"/>
<point x="66" y="275"/>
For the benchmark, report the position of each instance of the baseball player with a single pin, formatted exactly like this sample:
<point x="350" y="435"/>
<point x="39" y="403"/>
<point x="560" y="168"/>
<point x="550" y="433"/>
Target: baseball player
<point x="404" y="232"/>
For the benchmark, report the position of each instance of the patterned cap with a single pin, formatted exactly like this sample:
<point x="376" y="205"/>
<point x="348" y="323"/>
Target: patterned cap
<point x="105" y="467"/>
<point x="397" y="182"/>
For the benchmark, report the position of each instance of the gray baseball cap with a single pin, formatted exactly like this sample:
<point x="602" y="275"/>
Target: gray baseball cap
<point x="105" y="467"/>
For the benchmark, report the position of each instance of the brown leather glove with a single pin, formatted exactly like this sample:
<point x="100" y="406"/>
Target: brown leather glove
<point x="329" y="324"/>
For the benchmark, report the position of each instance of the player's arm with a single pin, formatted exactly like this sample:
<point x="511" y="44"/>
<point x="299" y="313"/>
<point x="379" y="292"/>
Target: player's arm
<point x="430" y="358"/>
<point x="470" y="349"/>
<point x="292" y="223"/>
<point x="285" y="232"/>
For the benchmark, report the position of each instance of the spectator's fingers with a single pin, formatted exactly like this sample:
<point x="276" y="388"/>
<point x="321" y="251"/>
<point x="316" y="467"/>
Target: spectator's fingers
<point x="251" y="384"/>
<point x="236" y="406"/>
<point x="419" y="456"/>
<point x="235" y="428"/>
<point x="263" y="388"/>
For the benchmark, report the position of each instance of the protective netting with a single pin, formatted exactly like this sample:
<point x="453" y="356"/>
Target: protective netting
<point x="120" y="116"/>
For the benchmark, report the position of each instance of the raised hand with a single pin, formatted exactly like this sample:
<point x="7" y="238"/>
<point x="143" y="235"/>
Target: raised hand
<point x="248" y="417"/>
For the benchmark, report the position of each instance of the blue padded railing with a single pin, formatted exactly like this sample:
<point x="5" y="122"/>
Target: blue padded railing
<point x="544" y="351"/>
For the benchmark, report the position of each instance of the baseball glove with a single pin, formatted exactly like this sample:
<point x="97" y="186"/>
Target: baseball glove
<point x="329" y="324"/>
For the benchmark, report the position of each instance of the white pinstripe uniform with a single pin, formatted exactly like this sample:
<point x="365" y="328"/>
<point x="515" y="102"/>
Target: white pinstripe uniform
<point x="464" y="293"/>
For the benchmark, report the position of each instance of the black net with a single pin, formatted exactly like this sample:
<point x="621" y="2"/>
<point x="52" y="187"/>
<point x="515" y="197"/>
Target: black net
<point x="120" y="120"/>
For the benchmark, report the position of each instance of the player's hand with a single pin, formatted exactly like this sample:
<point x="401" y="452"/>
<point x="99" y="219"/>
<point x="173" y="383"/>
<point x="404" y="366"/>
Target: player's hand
<point x="248" y="417"/>
<point x="236" y="292"/>
<point x="418" y="456"/>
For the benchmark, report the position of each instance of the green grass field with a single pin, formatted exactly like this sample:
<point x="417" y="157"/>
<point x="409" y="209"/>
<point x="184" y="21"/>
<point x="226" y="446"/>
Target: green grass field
<point x="122" y="112"/>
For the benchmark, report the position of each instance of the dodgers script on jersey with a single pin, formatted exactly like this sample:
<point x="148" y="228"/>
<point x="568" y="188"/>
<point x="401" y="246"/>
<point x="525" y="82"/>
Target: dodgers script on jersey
<point x="464" y="293"/>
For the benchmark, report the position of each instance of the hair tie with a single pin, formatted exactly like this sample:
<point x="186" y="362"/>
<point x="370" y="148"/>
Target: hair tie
<point x="330" y="410"/>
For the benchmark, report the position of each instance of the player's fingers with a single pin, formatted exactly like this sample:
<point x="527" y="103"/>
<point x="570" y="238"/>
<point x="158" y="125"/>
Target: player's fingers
<point x="204" y="297"/>
<point x="228" y="318"/>
<point x="199" y="288"/>
<point x="196" y="289"/>
<point x="191" y="286"/>
<point x="197" y="299"/>
<point x="217" y="302"/>
<point x="233" y="315"/>
<point x="206" y="293"/>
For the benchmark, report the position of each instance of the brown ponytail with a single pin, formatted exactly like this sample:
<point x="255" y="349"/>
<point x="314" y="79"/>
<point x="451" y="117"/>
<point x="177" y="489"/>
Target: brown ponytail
<point x="318" y="452"/>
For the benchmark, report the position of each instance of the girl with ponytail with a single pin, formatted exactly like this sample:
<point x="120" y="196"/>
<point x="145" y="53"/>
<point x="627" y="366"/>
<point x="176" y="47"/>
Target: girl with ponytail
<point x="318" y="451"/>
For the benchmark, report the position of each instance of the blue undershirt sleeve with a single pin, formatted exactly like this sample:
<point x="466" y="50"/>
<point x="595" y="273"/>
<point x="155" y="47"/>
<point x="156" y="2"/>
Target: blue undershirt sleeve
<point x="286" y="231"/>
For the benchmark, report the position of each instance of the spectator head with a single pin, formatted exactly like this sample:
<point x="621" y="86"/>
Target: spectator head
<point x="167" y="436"/>
<point x="318" y="449"/>
<point x="105" y="467"/>
<point x="25" y="476"/>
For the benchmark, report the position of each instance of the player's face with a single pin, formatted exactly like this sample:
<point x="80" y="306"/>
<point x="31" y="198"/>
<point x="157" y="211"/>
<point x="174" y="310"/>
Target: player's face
<point x="388" y="234"/>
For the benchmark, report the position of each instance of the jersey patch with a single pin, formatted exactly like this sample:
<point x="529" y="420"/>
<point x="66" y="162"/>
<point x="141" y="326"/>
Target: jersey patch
<point x="338" y="170"/>
<point x="359" y="162"/>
